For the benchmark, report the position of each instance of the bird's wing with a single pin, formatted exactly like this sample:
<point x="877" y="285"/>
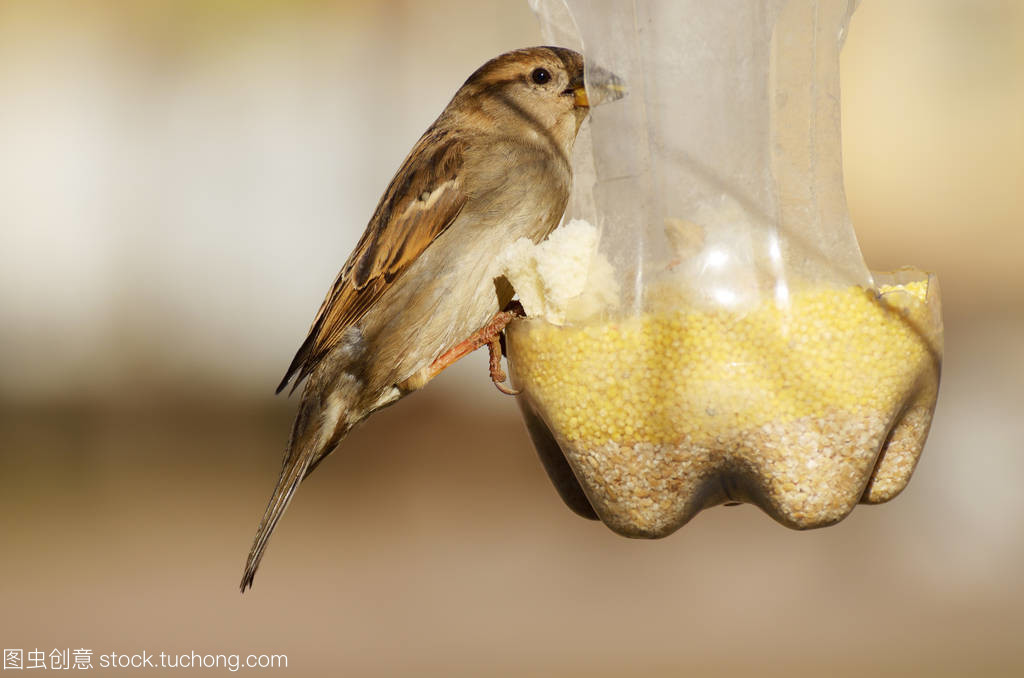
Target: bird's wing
<point x="422" y="201"/>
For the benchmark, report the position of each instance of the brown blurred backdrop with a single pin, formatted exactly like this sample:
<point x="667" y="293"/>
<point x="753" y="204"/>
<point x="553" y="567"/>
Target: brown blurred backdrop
<point x="180" y="181"/>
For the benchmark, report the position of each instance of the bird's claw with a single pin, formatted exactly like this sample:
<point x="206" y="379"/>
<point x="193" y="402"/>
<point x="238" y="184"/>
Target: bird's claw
<point x="497" y="374"/>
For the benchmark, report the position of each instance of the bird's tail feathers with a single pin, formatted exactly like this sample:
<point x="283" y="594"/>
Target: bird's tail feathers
<point x="313" y="437"/>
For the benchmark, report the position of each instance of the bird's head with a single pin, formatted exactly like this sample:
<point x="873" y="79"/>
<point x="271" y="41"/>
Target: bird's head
<point x="540" y="88"/>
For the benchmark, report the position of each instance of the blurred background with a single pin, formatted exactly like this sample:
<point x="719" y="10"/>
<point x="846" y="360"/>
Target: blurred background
<point x="180" y="181"/>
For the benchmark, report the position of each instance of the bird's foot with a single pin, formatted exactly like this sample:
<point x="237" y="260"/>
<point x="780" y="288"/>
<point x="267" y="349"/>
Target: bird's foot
<point x="496" y="345"/>
<point x="489" y="335"/>
<point x="497" y="374"/>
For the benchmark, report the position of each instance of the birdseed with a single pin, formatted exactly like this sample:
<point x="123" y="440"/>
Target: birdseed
<point x="803" y="409"/>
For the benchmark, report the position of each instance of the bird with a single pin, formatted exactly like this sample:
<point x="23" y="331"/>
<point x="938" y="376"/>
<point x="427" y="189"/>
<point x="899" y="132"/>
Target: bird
<point x="422" y="288"/>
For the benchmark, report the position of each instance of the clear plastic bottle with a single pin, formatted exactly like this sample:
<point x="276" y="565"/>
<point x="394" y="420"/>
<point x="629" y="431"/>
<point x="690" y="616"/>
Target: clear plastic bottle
<point x="739" y="349"/>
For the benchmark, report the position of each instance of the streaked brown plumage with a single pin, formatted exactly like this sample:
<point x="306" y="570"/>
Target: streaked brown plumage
<point x="494" y="167"/>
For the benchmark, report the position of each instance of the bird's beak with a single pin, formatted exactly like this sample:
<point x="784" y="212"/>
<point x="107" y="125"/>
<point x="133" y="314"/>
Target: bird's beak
<point x="616" y="90"/>
<point x="579" y="94"/>
<point x="605" y="86"/>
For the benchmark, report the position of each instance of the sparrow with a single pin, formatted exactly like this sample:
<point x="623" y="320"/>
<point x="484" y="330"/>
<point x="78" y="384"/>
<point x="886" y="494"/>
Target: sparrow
<point x="422" y="287"/>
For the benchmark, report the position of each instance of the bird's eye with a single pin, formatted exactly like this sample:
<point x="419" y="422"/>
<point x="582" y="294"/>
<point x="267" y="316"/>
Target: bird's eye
<point x="540" y="75"/>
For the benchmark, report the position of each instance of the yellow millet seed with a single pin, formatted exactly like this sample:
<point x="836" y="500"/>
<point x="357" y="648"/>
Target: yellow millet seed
<point x="792" y="402"/>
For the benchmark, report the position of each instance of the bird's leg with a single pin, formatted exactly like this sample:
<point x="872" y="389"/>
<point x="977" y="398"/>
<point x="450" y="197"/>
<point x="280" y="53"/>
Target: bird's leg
<point x="489" y="335"/>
